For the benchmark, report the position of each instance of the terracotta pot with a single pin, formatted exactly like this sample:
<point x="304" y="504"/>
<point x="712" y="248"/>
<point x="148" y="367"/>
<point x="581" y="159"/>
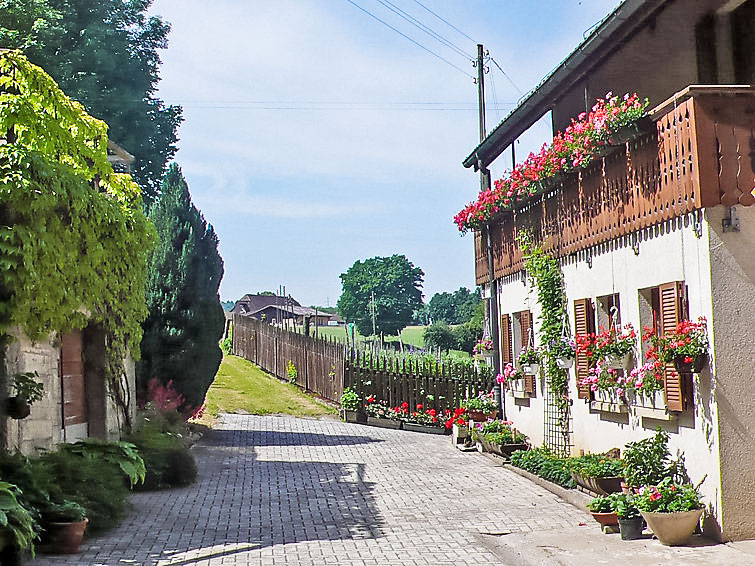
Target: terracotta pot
<point x="695" y="366"/>
<point x="65" y="538"/>
<point x="17" y="407"/>
<point x="606" y="519"/>
<point x="673" y="529"/>
<point x="631" y="529"/>
<point x="480" y="417"/>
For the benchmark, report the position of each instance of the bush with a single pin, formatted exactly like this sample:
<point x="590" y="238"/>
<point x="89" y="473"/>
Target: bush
<point x="167" y="458"/>
<point x="542" y="463"/>
<point x="465" y="337"/>
<point x="439" y="335"/>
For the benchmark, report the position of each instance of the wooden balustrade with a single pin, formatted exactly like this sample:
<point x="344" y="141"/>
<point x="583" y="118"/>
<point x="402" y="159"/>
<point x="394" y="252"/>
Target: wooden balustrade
<point x="700" y="154"/>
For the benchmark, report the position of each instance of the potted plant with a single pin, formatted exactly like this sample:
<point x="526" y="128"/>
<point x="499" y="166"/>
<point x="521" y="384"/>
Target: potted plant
<point x="483" y="348"/>
<point x="671" y="510"/>
<point x="649" y="462"/>
<point x="631" y="522"/>
<point x="686" y="347"/>
<point x="499" y="437"/>
<point x="459" y="427"/>
<point x="64" y="524"/>
<point x="351" y="404"/>
<point x="564" y="351"/>
<point x="423" y="420"/>
<point x="27" y="392"/>
<point x="17" y="527"/>
<point x="602" y="510"/>
<point x="601" y="473"/>
<point x="511" y="378"/>
<point x="481" y="407"/>
<point x="529" y="361"/>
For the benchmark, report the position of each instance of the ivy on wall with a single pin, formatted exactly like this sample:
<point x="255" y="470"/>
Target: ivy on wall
<point x="73" y="236"/>
<point x="548" y="279"/>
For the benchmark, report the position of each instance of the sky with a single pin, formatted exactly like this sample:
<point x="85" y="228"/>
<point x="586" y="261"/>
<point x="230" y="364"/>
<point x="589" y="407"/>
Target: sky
<point x="316" y="136"/>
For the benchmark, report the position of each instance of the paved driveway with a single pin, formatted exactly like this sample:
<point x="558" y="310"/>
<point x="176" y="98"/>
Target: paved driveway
<point x="283" y="491"/>
<point x="279" y="490"/>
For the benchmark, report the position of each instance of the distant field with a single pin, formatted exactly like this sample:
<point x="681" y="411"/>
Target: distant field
<point x="411" y="335"/>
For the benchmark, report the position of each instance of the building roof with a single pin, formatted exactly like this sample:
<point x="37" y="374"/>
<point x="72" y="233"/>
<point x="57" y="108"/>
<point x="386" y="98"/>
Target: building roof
<point x="251" y="303"/>
<point x="612" y="30"/>
<point x="290" y="309"/>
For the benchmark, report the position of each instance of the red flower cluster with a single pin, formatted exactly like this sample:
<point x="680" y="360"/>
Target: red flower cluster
<point x="457" y="418"/>
<point x="573" y="148"/>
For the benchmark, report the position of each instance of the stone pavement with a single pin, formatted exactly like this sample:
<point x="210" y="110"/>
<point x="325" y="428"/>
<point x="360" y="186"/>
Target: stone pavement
<point x="278" y="491"/>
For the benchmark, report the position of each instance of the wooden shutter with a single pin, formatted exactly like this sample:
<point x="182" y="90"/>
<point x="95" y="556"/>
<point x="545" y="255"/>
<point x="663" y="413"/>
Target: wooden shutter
<point x="72" y="379"/>
<point x="525" y="318"/>
<point x="671" y="299"/>
<point x="584" y="323"/>
<point x="507" y="356"/>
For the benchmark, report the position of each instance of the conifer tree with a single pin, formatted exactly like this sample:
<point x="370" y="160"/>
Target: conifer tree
<point x="185" y="320"/>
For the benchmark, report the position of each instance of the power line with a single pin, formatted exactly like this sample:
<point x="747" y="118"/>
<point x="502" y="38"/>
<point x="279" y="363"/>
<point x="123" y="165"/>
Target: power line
<point x="410" y="39"/>
<point x="449" y="24"/>
<point x="428" y="30"/>
<point x="507" y="77"/>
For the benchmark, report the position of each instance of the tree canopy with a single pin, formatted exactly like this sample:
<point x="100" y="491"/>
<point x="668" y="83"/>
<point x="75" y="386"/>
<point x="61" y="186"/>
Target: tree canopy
<point x="397" y="287"/>
<point x="453" y="308"/>
<point x="185" y="320"/>
<point x="106" y="56"/>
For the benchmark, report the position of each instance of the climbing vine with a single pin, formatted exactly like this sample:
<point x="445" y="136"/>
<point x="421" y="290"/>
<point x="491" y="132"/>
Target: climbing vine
<point x="73" y="236"/>
<point x="545" y="273"/>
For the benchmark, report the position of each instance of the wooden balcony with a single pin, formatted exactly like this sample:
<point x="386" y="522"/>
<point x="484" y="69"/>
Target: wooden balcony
<point x="700" y="153"/>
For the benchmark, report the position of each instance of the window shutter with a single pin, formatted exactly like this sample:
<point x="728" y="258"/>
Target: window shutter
<point x="671" y="301"/>
<point x="507" y="355"/>
<point x="526" y="322"/>
<point x="584" y="323"/>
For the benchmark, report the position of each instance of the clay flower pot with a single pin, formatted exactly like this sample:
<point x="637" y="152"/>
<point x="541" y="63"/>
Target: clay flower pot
<point x="480" y="417"/>
<point x="65" y="538"/>
<point x="673" y="529"/>
<point x="606" y="519"/>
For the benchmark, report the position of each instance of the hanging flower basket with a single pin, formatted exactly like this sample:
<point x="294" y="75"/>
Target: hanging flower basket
<point x="565" y="363"/>
<point x="530" y="369"/>
<point x="625" y="362"/>
<point x="688" y="364"/>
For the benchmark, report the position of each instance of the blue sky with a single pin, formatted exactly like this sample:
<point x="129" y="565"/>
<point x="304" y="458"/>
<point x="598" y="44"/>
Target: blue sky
<point x="316" y="136"/>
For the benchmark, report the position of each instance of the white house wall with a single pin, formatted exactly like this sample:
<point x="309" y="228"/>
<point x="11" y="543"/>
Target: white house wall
<point x="671" y="252"/>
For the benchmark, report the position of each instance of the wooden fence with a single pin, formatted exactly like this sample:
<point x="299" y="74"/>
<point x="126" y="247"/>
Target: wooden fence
<point x="325" y="367"/>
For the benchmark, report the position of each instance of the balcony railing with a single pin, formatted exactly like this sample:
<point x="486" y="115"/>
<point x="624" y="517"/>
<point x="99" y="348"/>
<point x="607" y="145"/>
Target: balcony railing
<point x="700" y="153"/>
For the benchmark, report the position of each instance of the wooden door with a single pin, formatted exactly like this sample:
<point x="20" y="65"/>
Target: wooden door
<point x="73" y="389"/>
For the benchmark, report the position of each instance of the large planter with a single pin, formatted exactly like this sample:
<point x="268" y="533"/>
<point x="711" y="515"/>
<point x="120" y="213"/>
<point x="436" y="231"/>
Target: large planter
<point x="503" y="450"/>
<point x="606" y="519"/>
<point x="695" y="366"/>
<point x="65" y="538"/>
<point x="673" y="529"/>
<point x="601" y="486"/>
<point x="427" y="429"/>
<point x="383" y="423"/>
<point x="480" y="416"/>
<point x="17" y="407"/>
<point x="350" y="416"/>
<point x="631" y="529"/>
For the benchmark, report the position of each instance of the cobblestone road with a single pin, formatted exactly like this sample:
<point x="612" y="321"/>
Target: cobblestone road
<point x="285" y="491"/>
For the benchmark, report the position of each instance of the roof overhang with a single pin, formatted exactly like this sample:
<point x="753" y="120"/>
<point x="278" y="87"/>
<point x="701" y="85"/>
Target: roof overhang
<point x="616" y="27"/>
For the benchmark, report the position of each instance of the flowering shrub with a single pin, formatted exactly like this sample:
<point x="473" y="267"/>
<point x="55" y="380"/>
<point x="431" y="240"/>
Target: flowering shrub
<point x="483" y="346"/>
<point x="509" y="374"/>
<point x="529" y="356"/>
<point x="668" y="497"/>
<point x="689" y="341"/>
<point x="571" y="149"/>
<point x="164" y="398"/>
<point x="483" y="402"/>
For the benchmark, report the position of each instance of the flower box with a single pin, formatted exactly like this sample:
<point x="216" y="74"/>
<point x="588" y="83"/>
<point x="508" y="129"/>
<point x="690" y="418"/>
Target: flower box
<point x="601" y="486"/>
<point x="651" y="406"/>
<point x="384" y="423"/>
<point x="518" y="390"/>
<point x="481" y="417"/>
<point x="503" y="450"/>
<point x="608" y="402"/>
<point x="427" y="429"/>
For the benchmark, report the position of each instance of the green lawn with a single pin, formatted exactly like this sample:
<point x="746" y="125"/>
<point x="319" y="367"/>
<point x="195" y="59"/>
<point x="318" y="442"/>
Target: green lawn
<point x="241" y="387"/>
<point x="411" y="335"/>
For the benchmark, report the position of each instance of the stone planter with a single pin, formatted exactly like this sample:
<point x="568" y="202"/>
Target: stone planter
<point x="384" y="423"/>
<point x="695" y="366"/>
<point x="427" y="429"/>
<point x="350" y="416"/>
<point x="631" y="529"/>
<point x="673" y="529"/>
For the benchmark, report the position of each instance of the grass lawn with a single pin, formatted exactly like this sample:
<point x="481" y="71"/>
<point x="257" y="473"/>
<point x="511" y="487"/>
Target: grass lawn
<point x="411" y="335"/>
<point x="242" y="387"/>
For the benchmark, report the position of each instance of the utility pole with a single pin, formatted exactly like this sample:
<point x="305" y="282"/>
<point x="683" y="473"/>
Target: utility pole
<point x="372" y="294"/>
<point x="492" y="311"/>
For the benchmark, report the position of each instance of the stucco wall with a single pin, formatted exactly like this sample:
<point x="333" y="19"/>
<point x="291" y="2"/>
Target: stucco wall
<point x="733" y="276"/>
<point x="671" y="252"/>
